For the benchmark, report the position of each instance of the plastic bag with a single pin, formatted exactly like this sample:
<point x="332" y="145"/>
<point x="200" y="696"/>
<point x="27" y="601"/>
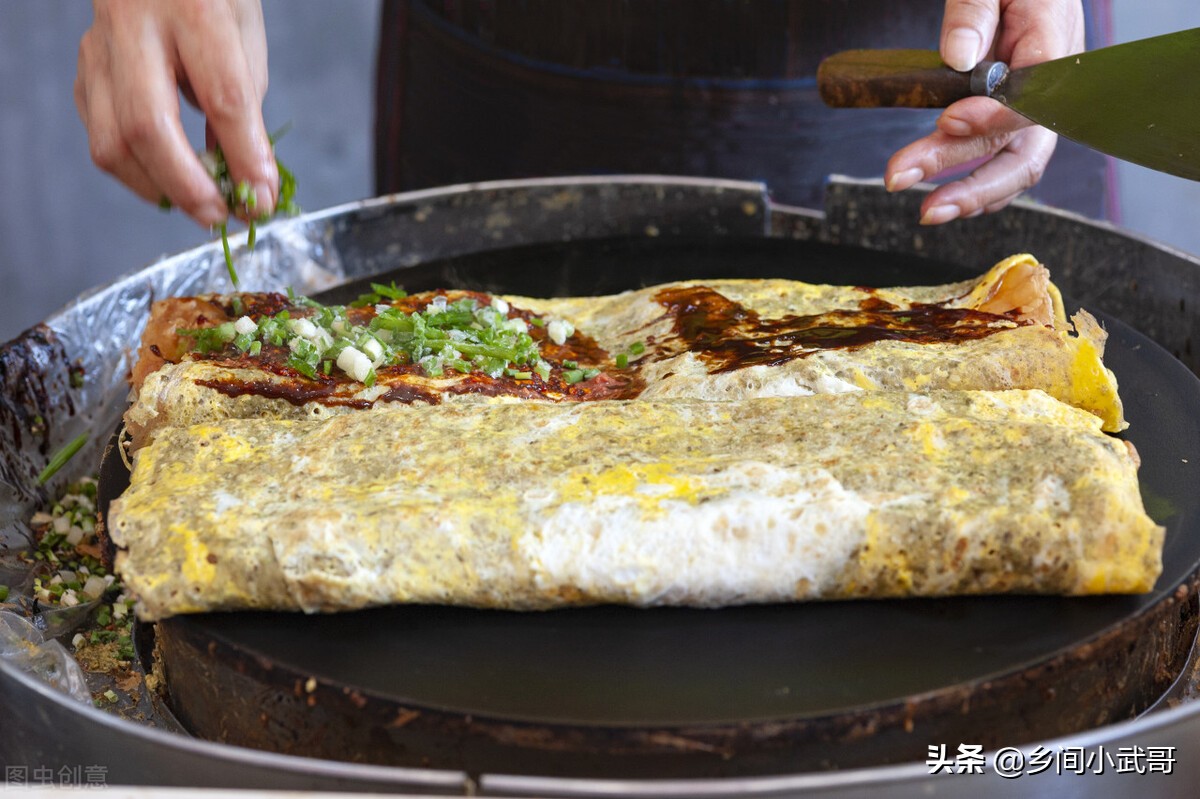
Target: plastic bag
<point x="24" y="646"/>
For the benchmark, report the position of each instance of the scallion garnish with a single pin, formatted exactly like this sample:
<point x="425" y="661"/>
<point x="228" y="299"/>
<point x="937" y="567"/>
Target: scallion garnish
<point x="61" y="457"/>
<point x="379" y="292"/>
<point x="462" y="336"/>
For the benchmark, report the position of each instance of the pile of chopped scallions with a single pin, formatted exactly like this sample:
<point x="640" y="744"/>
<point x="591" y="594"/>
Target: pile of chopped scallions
<point x="460" y="336"/>
<point x="68" y="570"/>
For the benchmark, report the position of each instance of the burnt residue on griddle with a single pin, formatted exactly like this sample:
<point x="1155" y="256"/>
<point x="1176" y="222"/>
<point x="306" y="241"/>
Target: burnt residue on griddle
<point x="729" y="336"/>
<point x="35" y="399"/>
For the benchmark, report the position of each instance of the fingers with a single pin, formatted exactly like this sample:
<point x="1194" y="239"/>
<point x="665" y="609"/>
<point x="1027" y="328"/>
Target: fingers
<point x="146" y="108"/>
<point x="1016" y="167"/>
<point x="93" y="101"/>
<point x="133" y="62"/>
<point x="1021" y="32"/>
<point x="249" y="16"/>
<point x="980" y="116"/>
<point x="968" y="28"/>
<point x="225" y="85"/>
<point x="1040" y="30"/>
<point x="967" y="130"/>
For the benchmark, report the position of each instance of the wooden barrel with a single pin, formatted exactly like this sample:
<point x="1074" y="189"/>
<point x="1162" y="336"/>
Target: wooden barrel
<point x="473" y="90"/>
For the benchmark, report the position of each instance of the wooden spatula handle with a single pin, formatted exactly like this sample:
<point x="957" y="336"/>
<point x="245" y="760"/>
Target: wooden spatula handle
<point x="901" y="79"/>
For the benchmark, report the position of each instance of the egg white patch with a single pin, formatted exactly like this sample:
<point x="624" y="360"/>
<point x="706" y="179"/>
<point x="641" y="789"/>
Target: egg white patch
<point x="765" y="533"/>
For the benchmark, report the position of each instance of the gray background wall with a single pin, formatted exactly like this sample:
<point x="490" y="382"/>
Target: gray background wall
<point x="65" y="226"/>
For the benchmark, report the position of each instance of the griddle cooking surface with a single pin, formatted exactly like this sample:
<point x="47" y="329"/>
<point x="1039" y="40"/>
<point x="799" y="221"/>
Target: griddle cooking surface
<point x="662" y="667"/>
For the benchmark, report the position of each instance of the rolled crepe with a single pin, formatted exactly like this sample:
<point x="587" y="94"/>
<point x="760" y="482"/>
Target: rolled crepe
<point x="715" y="340"/>
<point x="539" y="505"/>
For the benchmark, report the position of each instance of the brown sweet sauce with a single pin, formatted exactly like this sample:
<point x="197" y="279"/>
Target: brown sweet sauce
<point x="729" y="336"/>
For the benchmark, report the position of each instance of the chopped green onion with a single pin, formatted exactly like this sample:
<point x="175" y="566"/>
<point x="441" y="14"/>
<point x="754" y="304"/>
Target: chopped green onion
<point x="392" y="292"/>
<point x="224" y="228"/>
<point x="302" y="366"/>
<point x="572" y="376"/>
<point x="570" y="365"/>
<point x="379" y="292"/>
<point x="622" y="361"/>
<point x="242" y="195"/>
<point x="462" y="335"/>
<point x="61" y="457"/>
<point x="3" y="592"/>
<point x="637" y="348"/>
<point x="210" y="339"/>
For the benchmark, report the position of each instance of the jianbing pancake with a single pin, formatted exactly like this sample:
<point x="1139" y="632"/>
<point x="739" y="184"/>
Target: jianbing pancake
<point x="718" y="340"/>
<point x="538" y="505"/>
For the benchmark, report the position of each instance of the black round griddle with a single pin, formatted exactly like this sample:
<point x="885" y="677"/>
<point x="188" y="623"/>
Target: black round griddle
<point x="612" y="691"/>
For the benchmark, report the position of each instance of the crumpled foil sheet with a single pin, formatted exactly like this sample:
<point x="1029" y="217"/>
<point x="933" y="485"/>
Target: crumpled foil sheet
<point x="67" y="375"/>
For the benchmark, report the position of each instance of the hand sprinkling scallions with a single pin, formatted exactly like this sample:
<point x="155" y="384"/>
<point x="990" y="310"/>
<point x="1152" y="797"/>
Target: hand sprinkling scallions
<point x="240" y="196"/>
<point x="61" y="457"/>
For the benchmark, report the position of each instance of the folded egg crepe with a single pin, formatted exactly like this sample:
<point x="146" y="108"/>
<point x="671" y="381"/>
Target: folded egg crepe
<point x="648" y="502"/>
<point x="266" y="356"/>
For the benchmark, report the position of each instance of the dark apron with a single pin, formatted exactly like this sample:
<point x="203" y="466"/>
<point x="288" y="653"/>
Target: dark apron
<point x="473" y="90"/>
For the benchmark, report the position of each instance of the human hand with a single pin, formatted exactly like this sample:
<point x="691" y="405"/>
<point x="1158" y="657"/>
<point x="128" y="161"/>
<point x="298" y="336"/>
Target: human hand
<point x="133" y="62"/>
<point x="1020" y="33"/>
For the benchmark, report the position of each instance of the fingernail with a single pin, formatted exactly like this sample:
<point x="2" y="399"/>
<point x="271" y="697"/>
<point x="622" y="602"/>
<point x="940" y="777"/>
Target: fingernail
<point x="954" y="127"/>
<point x="939" y="214"/>
<point x="962" y="49"/>
<point x="906" y="179"/>
<point x="212" y="214"/>
<point x="264" y="200"/>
